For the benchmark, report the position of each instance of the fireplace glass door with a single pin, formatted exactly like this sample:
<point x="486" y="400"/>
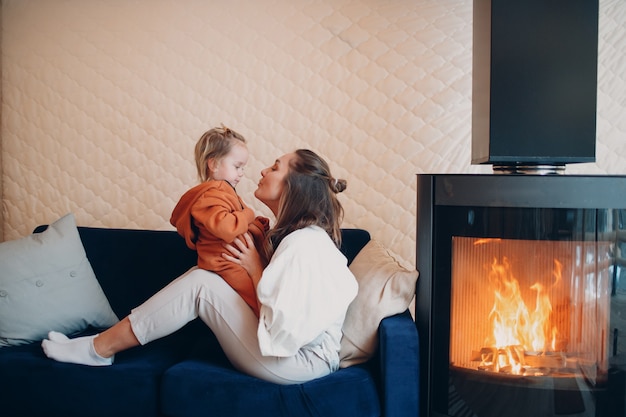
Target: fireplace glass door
<point x="528" y="304"/>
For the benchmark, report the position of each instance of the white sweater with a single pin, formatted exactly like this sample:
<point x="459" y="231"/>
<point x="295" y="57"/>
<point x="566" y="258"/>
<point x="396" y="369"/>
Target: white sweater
<point x="304" y="293"/>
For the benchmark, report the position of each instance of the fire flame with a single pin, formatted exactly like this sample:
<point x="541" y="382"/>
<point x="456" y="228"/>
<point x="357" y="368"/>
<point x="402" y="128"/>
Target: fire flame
<point x="516" y="329"/>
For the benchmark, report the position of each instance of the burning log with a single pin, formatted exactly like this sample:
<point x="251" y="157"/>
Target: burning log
<point x="515" y="360"/>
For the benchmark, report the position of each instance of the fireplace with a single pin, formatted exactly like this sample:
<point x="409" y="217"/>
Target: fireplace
<point x="522" y="278"/>
<point x="521" y="299"/>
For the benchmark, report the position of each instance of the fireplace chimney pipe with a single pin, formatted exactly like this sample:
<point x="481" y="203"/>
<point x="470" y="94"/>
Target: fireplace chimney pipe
<point x="534" y="88"/>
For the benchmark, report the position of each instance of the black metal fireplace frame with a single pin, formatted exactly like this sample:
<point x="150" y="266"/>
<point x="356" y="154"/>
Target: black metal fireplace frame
<point x="498" y="191"/>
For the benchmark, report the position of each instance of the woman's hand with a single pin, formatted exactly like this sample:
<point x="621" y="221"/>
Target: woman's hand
<point x="243" y="252"/>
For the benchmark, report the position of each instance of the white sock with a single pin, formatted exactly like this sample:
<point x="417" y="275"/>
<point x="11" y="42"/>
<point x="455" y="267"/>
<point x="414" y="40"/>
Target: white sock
<point x="79" y="350"/>
<point x="58" y="337"/>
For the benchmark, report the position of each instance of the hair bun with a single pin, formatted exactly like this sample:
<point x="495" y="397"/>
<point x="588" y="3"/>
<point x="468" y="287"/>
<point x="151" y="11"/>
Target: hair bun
<point x="338" y="185"/>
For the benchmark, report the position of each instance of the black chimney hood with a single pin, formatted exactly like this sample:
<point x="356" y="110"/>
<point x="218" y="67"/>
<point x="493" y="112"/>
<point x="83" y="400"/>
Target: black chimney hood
<point x="534" y="83"/>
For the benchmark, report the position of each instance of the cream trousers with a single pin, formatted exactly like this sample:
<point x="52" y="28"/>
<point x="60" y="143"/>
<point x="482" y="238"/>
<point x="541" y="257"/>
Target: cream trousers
<point x="204" y="294"/>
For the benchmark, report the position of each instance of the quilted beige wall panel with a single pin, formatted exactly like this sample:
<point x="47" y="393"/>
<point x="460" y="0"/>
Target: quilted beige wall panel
<point x="104" y="100"/>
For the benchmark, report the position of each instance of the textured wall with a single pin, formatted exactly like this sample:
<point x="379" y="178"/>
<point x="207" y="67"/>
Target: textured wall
<point x="104" y="100"/>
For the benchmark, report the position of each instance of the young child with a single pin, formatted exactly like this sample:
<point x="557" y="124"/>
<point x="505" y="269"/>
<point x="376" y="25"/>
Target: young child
<point x="212" y="213"/>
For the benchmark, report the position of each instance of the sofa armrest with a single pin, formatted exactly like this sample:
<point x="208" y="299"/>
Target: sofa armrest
<point x="399" y="365"/>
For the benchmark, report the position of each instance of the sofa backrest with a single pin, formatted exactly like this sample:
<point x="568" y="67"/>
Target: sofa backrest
<point x="352" y="241"/>
<point x="132" y="265"/>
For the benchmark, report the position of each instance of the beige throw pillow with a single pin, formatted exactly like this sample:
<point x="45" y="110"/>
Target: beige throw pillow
<point x="385" y="289"/>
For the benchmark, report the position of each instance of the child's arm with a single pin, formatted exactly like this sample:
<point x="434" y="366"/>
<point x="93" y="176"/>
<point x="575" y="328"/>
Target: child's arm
<point x="221" y="215"/>
<point x="225" y="224"/>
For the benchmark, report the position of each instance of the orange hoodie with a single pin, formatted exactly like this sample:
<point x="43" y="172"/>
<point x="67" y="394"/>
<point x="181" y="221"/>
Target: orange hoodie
<point x="210" y="214"/>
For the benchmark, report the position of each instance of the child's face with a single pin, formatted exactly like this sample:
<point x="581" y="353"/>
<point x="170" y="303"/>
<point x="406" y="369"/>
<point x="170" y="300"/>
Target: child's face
<point x="230" y="168"/>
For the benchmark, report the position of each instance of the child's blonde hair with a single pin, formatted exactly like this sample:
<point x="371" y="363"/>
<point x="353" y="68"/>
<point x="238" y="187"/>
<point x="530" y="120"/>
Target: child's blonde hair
<point x="214" y="144"/>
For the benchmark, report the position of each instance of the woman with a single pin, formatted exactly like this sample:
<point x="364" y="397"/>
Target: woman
<point x="303" y="291"/>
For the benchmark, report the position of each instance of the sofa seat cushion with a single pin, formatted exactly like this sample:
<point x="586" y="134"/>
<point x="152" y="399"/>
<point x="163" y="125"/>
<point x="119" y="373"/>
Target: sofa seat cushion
<point x="206" y="385"/>
<point x="34" y="385"/>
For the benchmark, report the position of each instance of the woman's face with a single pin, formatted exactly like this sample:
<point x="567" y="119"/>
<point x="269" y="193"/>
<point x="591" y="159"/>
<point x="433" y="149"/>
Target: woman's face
<point x="272" y="182"/>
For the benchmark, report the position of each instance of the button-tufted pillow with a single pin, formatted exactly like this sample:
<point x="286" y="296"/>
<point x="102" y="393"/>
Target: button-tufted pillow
<point x="47" y="283"/>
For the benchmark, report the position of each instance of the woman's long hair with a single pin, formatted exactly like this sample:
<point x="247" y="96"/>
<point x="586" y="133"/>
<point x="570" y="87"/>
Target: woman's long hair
<point x="309" y="198"/>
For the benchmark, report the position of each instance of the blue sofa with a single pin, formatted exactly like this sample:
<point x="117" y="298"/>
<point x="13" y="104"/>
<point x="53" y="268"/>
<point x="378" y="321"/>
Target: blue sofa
<point x="186" y="374"/>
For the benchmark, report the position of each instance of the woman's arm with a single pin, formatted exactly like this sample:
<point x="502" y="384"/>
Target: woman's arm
<point x="243" y="252"/>
<point x="305" y="291"/>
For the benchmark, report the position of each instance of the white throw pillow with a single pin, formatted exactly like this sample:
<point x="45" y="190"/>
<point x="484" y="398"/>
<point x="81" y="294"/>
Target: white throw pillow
<point x="47" y="283"/>
<point x="385" y="289"/>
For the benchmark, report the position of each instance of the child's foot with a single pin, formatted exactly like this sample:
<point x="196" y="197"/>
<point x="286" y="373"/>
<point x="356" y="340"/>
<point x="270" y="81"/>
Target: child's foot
<point x="80" y="350"/>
